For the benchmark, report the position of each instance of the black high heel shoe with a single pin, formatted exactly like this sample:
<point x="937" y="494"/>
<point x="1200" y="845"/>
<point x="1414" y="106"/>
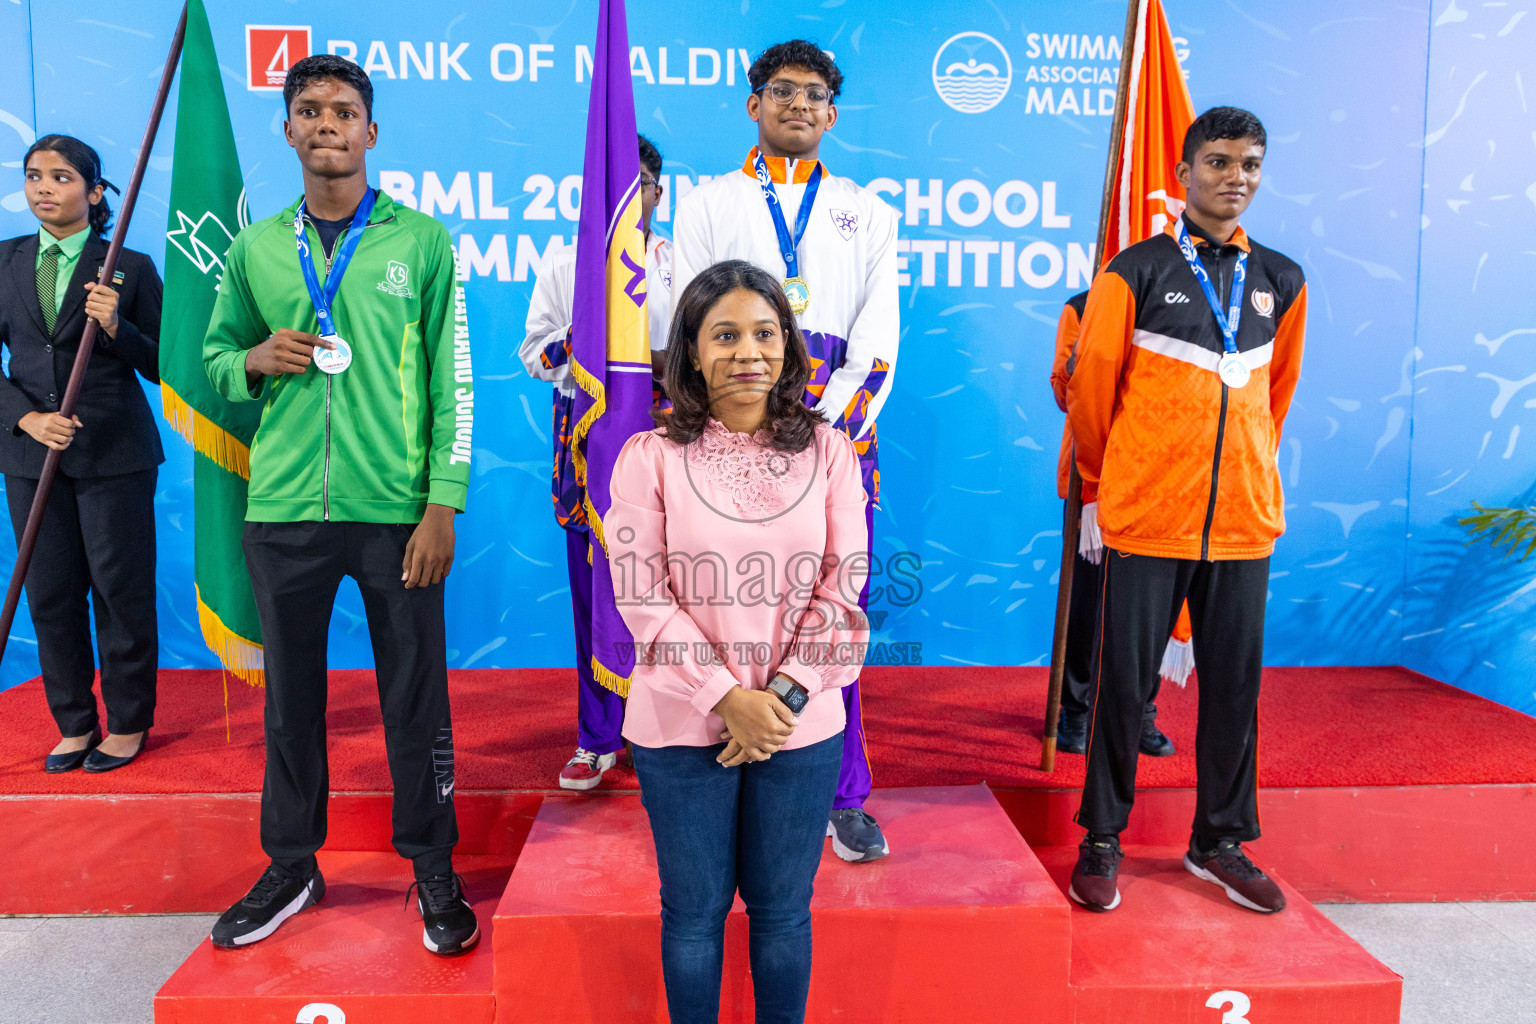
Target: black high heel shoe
<point x="98" y="762"/>
<point x="56" y="764"/>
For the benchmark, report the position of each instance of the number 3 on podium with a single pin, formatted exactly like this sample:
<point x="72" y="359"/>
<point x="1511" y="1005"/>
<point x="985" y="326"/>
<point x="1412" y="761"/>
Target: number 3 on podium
<point x="315" y="1012"/>
<point x="1240" y="1006"/>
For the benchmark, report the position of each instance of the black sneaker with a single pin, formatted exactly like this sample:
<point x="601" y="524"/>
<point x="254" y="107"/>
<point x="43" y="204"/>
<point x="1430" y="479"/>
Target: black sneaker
<point x="1153" y="742"/>
<point x="1229" y="867"/>
<point x="1096" y="876"/>
<point x="448" y="922"/>
<point x="272" y="900"/>
<point x="1072" y="733"/>
<point x="856" y="836"/>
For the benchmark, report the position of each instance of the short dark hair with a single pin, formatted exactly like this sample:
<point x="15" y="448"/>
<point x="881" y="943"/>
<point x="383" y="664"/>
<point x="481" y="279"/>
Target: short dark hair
<point x="797" y="53"/>
<point x="1221" y="123"/>
<point x="650" y="157"/>
<point x="87" y="164"/>
<point x="327" y="65"/>
<point x="791" y="423"/>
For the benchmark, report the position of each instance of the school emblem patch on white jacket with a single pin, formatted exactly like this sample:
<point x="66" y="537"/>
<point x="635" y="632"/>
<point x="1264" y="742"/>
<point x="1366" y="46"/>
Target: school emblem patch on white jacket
<point x="846" y="222"/>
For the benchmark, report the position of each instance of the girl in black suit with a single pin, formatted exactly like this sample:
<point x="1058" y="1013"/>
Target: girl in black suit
<point x="98" y="530"/>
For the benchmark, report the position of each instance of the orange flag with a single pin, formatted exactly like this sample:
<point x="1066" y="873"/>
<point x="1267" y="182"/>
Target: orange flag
<point x="1157" y="114"/>
<point x="1179" y="655"/>
<point x="1146" y="194"/>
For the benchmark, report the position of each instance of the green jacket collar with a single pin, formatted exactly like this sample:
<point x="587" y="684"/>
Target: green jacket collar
<point x="383" y="209"/>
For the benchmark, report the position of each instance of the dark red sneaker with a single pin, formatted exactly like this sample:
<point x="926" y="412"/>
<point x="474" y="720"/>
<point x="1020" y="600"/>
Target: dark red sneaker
<point x="1094" y="879"/>
<point x="585" y="770"/>
<point x="1230" y="868"/>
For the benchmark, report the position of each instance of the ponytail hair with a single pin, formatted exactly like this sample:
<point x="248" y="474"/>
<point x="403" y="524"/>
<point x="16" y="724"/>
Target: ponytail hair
<point x="87" y="164"/>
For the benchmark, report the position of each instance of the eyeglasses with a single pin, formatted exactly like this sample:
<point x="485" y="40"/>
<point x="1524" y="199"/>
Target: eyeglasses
<point x="648" y="183"/>
<point x="784" y="93"/>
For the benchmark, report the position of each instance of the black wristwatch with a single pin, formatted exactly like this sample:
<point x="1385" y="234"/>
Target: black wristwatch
<point x="794" y="696"/>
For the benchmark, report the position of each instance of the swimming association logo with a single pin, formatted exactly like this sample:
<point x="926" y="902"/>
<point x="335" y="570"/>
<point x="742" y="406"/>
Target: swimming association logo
<point x="972" y="72"/>
<point x="1264" y="303"/>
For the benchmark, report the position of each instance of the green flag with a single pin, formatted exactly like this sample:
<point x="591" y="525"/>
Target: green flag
<point x="207" y="210"/>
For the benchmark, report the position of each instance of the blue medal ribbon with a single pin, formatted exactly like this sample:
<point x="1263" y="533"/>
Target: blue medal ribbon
<point x="1228" y="322"/>
<point x="788" y="246"/>
<point x="324" y="298"/>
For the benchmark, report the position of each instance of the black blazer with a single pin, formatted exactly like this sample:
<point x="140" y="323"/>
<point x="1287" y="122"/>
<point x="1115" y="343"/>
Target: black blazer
<point x="119" y="435"/>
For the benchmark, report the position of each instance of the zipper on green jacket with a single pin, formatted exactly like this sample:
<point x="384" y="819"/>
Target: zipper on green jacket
<point x="325" y="477"/>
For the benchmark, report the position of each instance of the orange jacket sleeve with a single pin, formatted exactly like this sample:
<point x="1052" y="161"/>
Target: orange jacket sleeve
<point x="1066" y="336"/>
<point x="1109" y="321"/>
<point x="1285" y="365"/>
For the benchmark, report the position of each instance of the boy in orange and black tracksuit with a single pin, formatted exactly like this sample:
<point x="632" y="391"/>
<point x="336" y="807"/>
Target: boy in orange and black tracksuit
<point x="1190" y="504"/>
<point x="1083" y="615"/>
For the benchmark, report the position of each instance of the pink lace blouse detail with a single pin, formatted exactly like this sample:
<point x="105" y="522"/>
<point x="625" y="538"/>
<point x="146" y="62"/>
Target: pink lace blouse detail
<point x="761" y="481"/>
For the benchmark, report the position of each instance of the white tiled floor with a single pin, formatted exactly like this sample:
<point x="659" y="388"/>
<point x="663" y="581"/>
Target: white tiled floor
<point x="102" y="970"/>
<point x="1462" y="963"/>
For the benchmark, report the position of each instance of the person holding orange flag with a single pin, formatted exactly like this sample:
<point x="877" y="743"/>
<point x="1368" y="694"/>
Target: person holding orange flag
<point x="1083" y="620"/>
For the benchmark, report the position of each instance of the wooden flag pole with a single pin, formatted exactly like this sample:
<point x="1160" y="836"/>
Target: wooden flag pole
<point x="1072" y="527"/>
<point x="1070" y="530"/>
<point x="88" y="340"/>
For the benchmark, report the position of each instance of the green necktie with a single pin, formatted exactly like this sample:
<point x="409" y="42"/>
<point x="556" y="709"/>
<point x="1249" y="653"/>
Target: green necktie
<point x="48" y="284"/>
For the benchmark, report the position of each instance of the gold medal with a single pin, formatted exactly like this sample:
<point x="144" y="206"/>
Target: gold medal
<point x="798" y="293"/>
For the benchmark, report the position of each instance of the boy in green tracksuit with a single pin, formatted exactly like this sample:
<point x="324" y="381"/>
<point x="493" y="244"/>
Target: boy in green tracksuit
<point x="343" y="315"/>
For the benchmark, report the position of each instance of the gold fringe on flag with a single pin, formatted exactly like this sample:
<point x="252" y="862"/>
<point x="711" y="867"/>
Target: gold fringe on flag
<point x="235" y="652"/>
<point x="203" y="434"/>
<point x="610" y="680"/>
<point x="591" y="385"/>
<point x="594" y="387"/>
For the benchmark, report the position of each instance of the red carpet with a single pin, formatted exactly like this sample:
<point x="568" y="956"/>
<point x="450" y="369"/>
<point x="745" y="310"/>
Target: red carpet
<point x="927" y="727"/>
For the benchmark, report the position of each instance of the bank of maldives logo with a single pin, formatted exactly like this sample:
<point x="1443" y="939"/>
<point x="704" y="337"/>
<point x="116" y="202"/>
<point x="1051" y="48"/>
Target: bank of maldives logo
<point x="972" y="72"/>
<point x="270" y="50"/>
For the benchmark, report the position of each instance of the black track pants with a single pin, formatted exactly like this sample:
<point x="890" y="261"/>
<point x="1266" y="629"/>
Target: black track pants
<point x="1139" y="605"/>
<point x="295" y="570"/>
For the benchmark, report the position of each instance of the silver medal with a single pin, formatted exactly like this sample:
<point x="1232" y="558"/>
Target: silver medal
<point x="1233" y="370"/>
<point x="333" y="360"/>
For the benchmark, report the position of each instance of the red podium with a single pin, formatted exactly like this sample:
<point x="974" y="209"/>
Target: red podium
<point x="958" y="927"/>
<point x="357" y="957"/>
<point x="964" y="922"/>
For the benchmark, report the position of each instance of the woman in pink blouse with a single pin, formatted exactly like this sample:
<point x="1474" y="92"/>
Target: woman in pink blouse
<point x="737" y="540"/>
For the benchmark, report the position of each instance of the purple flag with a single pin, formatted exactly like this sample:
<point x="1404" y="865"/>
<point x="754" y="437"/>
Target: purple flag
<point x="610" y="350"/>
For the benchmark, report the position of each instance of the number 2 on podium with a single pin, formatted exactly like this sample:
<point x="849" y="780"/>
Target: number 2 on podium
<point x="1240" y="1006"/>
<point x="316" y="1012"/>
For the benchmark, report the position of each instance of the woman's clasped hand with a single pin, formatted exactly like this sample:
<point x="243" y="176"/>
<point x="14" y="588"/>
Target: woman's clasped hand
<point x="757" y="724"/>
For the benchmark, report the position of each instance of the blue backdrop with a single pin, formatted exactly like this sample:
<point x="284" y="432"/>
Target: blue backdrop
<point x="1397" y="175"/>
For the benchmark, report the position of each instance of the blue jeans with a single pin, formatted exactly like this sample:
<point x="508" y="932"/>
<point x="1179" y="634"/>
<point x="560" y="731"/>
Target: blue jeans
<point x="757" y="828"/>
